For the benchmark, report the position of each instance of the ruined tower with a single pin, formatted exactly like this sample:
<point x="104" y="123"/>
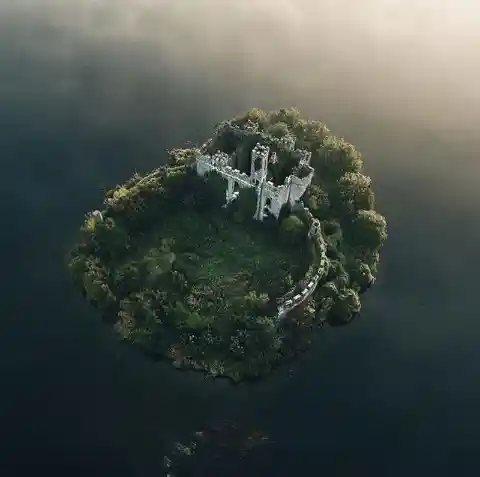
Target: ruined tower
<point x="259" y="163"/>
<point x="258" y="175"/>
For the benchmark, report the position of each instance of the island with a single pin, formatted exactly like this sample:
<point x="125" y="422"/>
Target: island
<point x="228" y="257"/>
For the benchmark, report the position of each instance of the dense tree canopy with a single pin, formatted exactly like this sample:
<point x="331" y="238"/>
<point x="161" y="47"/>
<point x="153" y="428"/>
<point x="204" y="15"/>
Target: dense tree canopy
<point x="184" y="277"/>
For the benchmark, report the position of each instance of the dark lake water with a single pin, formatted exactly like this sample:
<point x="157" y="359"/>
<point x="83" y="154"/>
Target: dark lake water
<point x="90" y="92"/>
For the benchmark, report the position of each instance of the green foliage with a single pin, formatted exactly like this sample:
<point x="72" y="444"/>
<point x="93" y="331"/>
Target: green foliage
<point x="126" y="277"/>
<point x="90" y="225"/>
<point x="198" y="192"/>
<point x="278" y="130"/>
<point x="360" y="274"/>
<point x="178" y="157"/>
<point x="334" y="158"/>
<point x="257" y="115"/>
<point x="317" y="200"/>
<point x="78" y="267"/>
<point x="216" y="185"/>
<point x="289" y="116"/>
<point x="97" y="290"/>
<point x="293" y="230"/>
<point x="352" y="193"/>
<point x="368" y="229"/>
<point x="345" y="308"/>
<point x="182" y="277"/>
<point x="304" y="217"/>
<point x="111" y="241"/>
<point x="332" y="229"/>
<point x="125" y="325"/>
<point x="244" y="207"/>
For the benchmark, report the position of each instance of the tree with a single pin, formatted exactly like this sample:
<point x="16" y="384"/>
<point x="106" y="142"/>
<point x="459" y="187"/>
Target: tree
<point x="125" y="325"/>
<point x="210" y="191"/>
<point x="127" y="278"/>
<point x="98" y="291"/>
<point x="278" y="130"/>
<point x="242" y="157"/>
<point x="360" y="274"/>
<point x="179" y="156"/>
<point x="332" y="228"/>
<point x="218" y="187"/>
<point x="317" y="200"/>
<point x="353" y="192"/>
<point x="156" y="263"/>
<point x="305" y="217"/>
<point x="78" y="267"/>
<point x="310" y="134"/>
<point x="334" y="158"/>
<point x="368" y="229"/>
<point x="256" y="115"/>
<point x="256" y="303"/>
<point x="344" y="308"/>
<point x="245" y="205"/>
<point x="112" y="240"/>
<point x="292" y="230"/>
<point x="288" y="116"/>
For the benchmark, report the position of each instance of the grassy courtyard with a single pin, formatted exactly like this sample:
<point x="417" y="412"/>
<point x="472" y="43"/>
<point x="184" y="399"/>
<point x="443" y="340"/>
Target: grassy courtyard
<point x="224" y="262"/>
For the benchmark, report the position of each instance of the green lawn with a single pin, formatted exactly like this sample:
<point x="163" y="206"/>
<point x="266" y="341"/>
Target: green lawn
<point x="229" y="258"/>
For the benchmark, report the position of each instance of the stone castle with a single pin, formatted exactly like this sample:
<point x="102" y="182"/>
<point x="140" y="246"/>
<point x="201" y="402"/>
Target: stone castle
<point x="270" y="198"/>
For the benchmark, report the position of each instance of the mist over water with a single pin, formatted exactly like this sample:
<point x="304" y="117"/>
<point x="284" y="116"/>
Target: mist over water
<point x="91" y="91"/>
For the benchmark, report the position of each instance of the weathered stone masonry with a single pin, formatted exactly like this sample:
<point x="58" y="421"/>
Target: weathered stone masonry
<point x="270" y="198"/>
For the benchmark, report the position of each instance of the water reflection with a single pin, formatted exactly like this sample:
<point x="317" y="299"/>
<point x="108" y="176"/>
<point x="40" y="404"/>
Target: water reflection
<point x="224" y="449"/>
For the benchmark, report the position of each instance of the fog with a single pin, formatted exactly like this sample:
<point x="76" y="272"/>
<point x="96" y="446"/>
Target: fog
<point x="92" y="90"/>
<point x="415" y="62"/>
<point x="425" y="51"/>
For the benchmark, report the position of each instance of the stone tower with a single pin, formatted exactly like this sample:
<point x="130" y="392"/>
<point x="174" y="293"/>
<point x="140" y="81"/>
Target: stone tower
<point x="259" y="164"/>
<point x="258" y="176"/>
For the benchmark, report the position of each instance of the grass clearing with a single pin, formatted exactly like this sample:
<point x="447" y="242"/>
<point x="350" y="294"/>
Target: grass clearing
<point x="226" y="261"/>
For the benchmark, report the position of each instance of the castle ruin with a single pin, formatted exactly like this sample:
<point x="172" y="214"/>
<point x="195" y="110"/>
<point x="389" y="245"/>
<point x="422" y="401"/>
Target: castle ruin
<point x="270" y="198"/>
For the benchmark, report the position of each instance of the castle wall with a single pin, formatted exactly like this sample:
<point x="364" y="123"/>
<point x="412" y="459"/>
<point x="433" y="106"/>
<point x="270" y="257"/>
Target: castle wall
<point x="271" y="198"/>
<point x="299" y="186"/>
<point x="289" y="303"/>
<point x="278" y="196"/>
